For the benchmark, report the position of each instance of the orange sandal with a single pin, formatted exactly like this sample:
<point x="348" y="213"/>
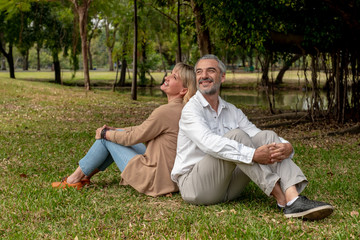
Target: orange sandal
<point x="64" y="184"/>
<point x="86" y="181"/>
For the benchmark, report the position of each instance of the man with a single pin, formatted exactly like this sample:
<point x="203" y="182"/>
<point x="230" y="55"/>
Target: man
<point x="219" y="151"/>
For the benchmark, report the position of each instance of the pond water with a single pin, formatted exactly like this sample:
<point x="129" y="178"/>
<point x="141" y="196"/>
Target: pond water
<point x="296" y="100"/>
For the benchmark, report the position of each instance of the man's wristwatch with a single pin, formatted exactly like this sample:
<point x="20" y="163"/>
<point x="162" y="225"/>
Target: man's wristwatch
<point x="103" y="133"/>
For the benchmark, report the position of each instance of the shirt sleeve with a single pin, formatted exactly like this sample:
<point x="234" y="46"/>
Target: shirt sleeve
<point x="148" y="130"/>
<point x="251" y="129"/>
<point x="197" y="129"/>
<point x="244" y="123"/>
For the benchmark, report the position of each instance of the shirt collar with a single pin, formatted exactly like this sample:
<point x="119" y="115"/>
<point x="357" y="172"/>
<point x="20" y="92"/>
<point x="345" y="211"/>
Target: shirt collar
<point x="205" y="103"/>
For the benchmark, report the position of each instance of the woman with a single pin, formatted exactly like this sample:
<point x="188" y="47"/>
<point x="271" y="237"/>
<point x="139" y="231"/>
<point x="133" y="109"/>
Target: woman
<point x="145" y="168"/>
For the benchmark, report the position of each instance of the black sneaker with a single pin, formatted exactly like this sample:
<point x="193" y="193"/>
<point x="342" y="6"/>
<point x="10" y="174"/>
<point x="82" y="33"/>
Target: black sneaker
<point x="308" y="209"/>
<point x="280" y="209"/>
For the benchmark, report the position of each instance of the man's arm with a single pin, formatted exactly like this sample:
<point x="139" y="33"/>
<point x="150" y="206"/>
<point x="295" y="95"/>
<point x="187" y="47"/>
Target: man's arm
<point x="197" y="129"/>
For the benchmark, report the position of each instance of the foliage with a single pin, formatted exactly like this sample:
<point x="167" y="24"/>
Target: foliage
<point x="45" y="129"/>
<point x="267" y="32"/>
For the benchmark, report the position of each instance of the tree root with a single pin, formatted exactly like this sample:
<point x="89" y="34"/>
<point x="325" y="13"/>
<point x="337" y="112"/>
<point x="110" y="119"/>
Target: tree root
<point x="282" y="124"/>
<point x="351" y="130"/>
<point x="295" y="115"/>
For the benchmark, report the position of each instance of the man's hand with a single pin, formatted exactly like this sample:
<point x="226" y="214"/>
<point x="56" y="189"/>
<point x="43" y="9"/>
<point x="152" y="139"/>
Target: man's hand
<point x="272" y="153"/>
<point x="262" y="155"/>
<point x="280" y="151"/>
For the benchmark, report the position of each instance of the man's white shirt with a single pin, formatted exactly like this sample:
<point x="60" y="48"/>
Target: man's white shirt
<point x="201" y="132"/>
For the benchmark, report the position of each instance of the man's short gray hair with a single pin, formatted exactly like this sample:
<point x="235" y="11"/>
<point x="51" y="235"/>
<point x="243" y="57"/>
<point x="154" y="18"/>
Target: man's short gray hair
<point x="221" y="65"/>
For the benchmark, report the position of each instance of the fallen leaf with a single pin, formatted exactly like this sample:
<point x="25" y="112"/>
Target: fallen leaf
<point x="354" y="213"/>
<point x="233" y="211"/>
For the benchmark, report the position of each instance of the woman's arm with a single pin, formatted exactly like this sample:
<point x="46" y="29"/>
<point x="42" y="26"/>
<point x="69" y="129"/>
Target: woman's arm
<point x="152" y="127"/>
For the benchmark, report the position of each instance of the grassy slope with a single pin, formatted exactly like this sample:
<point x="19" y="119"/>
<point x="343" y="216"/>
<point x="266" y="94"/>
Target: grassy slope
<point x="45" y="129"/>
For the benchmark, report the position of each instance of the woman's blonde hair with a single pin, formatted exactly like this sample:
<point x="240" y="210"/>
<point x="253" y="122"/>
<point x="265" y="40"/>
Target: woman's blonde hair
<point x="187" y="75"/>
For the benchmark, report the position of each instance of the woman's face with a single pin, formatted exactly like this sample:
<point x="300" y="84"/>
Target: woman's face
<point x="173" y="84"/>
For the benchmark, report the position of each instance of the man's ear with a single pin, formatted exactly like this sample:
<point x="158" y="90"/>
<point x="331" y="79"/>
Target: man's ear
<point x="183" y="91"/>
<point x="223" y="77"/>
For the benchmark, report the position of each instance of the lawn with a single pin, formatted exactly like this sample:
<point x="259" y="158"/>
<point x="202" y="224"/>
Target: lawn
<point x="45" y="129"/>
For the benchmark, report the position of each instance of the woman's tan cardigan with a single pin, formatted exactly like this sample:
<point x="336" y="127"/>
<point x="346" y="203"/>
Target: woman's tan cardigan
<point x="150" y="173"/>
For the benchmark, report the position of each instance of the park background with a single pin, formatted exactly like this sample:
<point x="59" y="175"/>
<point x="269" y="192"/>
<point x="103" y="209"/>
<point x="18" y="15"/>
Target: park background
<point x="68" y="67"/>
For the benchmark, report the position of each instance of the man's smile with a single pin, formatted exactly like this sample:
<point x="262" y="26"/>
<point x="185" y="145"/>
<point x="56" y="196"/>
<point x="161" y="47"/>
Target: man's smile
<point x="206" y="81"/>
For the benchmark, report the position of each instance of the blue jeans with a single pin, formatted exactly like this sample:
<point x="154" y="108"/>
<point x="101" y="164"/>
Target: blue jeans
<point x="103" y="153"/>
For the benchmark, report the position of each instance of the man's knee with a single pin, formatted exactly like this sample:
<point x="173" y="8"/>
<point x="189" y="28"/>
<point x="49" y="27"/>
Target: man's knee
<point x="235" y="133"/>
<point x="239" y="136"/>
<point x="265" y="137"/>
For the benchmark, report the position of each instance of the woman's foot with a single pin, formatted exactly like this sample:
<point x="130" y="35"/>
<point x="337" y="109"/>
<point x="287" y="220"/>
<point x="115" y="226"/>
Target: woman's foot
<point x="64" y="184"/>
<point x="77" y="179"/>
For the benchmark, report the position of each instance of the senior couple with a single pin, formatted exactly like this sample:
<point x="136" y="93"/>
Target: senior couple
<point x="207" y="149"/>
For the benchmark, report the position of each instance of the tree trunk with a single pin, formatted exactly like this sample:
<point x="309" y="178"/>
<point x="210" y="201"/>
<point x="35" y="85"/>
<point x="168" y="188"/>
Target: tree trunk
<point x="123" y="73"/>
<point x="26" y="61"/>
<point x="38" y="57"/>
<point x="110" y="61"/>
<point x="179" y="58"/>
<point x="117" y="73"/>
<point x="337" y="86"/>
<point x="91" y="67"/>
<point x="110" y="43"/>
<point x="203" y="34"/>
<point x="265" y="70"/>
<point x="287" y="65"/>
<point x="107" y="34"/>
<point x="345" y="70"/>
<point x="315" y="97"/>
<point x="89" y="44"/>
<point x="123" y="57"/>
<point x="134" y="81"/>
<point x="143" y="59"/>
<point x="265" y="79"/>
<point x="57" y="68"/>
<point x="82" y="11"/>
<point x="355" y="86"/>
<point x="11" y="62"/>
<point x="10" y="59"/>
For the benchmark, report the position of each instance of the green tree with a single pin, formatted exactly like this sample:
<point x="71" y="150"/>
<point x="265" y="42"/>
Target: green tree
<point x="318" y="29"/>
<point x="134" y="81"/>
<point x="58" y="29"/>
<point x="10" y="29"/>
<point x="82" y="9"/>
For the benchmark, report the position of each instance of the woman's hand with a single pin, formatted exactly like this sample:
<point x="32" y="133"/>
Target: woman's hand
<point x="98" y="132"/>
<point x="109" y="128"/>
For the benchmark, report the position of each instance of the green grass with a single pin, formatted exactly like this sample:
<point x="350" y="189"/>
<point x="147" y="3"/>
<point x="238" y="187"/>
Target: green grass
<point x="46" y="128"/>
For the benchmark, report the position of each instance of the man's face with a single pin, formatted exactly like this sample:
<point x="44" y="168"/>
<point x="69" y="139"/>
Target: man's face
<point x="208" y="76"/>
